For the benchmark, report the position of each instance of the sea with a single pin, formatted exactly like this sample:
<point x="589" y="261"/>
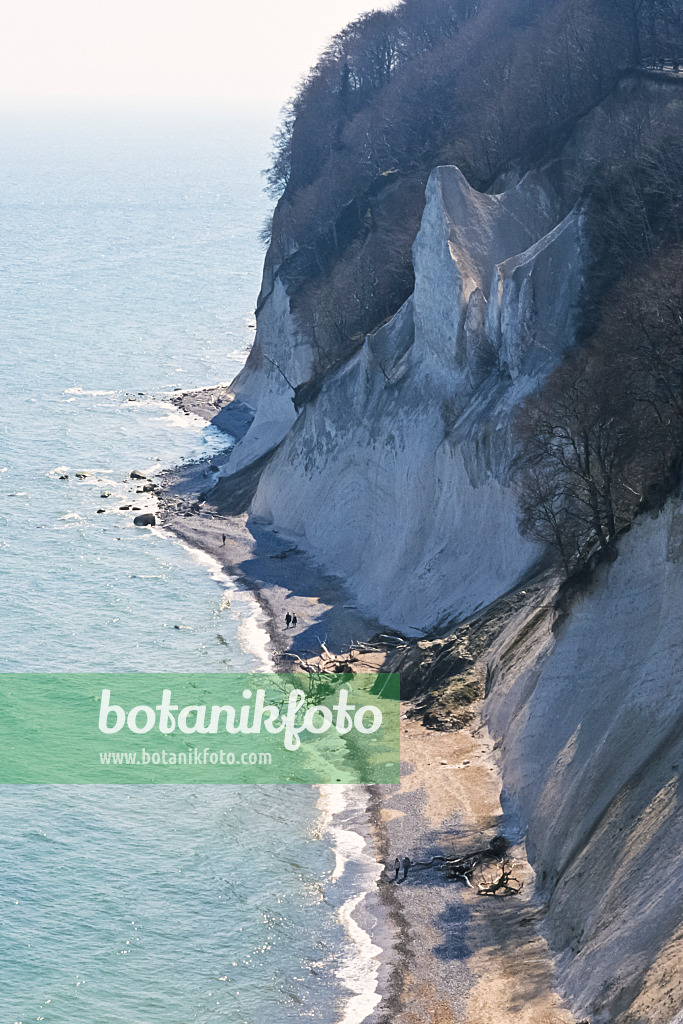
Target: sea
<point x="129" y="268"/>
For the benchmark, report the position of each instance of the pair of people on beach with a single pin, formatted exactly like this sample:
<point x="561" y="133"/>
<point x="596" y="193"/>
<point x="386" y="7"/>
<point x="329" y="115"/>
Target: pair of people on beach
<point x="397" y="868"/>
<point x="290" y="620"/>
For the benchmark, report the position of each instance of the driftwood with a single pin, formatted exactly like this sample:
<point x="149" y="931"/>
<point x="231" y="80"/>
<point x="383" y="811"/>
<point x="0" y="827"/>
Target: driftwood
<point x="397" y="641"/>
<point x="503" y="885"/>
<point x="461" y="869"/>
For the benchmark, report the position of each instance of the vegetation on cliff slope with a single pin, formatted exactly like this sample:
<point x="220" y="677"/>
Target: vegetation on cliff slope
<point x="603" y="438"/>
<point x="487" y="85"/>
<point x="478" y="83"/>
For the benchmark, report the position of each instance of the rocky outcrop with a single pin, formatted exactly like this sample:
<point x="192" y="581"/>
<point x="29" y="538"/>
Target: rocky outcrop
<point x="280" y="359"/>
<point x="590" y="723"/>
<point x="397" y="474"/>
<point x="464" y="235"/>
<point x="146" y="519"/>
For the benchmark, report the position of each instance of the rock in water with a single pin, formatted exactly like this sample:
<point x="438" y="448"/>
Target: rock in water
<point x="146" y="519"/>
<point x="137" y="475"/>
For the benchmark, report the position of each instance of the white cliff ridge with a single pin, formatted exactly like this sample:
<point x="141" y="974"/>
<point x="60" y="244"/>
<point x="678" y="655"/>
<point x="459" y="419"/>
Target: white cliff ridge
<point x="278" y="352"/>
<point x="589" y="721"/>
<point x="396" y="475"/>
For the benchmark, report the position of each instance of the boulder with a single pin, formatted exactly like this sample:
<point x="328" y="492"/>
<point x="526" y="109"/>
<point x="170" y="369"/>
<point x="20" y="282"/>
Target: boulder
<point x="146" y="519"/>
<point x="105" y="494"/>
<point x="137" y="475"/>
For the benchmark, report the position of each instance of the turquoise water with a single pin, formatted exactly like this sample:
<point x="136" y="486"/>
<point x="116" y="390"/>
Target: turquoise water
<point x="129" y="266"/>
<point x="129" y="263"/>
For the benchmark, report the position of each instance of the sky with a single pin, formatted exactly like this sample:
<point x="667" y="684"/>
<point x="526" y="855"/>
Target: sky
<point x="212" y="50"/>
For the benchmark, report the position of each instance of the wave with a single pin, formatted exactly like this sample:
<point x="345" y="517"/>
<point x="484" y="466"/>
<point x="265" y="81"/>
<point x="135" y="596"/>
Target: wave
<point x="81" y="391"/>
<point x="355" y="868"/>
<point x="252" y="636"/>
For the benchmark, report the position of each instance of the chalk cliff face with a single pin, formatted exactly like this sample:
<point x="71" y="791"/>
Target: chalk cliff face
<point x="396" y="476"/>
<point x="591" y="724"/>
<point x="279" y="354"/>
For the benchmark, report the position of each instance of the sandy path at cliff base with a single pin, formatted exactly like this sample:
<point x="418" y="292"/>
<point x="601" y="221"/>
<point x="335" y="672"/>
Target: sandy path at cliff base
<point x="283" y="579"/>
<point x="457" y="957"/>
<point x="280" y="575"/>
<point x="467" y="959"/>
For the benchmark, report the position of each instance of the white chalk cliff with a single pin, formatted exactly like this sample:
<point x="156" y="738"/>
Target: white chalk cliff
<point x="278" y="350"/>
<point x="396" y="475"/>
<point x="590" y="719"/>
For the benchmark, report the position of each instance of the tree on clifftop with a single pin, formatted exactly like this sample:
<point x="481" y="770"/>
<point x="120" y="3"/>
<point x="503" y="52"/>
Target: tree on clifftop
<point x="606" y="430"/>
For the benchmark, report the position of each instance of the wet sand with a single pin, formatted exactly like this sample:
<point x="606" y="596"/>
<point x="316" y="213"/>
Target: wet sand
<point x="283" y="579"/>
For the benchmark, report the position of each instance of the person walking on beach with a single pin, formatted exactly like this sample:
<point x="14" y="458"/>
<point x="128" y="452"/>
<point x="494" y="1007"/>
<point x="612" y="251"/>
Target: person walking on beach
<point x="406" y="867"/>
<point x="294" y="620"/>
<point x="397" y="868"/>
<point x="288" y="619"/>
<point x="223" y="540"/>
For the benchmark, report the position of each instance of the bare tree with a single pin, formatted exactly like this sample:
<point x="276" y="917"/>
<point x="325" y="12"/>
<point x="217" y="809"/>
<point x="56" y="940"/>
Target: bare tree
<point x="545" y="511"/>
<point x="607" y="426"/>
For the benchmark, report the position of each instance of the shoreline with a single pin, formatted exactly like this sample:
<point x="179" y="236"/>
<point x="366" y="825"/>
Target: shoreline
<point x="280" y="575"/>
<point x="444" y="953"/>
<point x="367" y="920"/>
<point x="356" y="872"/>
<point x="458" y="956"/>
<point x="254" y="624"/>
